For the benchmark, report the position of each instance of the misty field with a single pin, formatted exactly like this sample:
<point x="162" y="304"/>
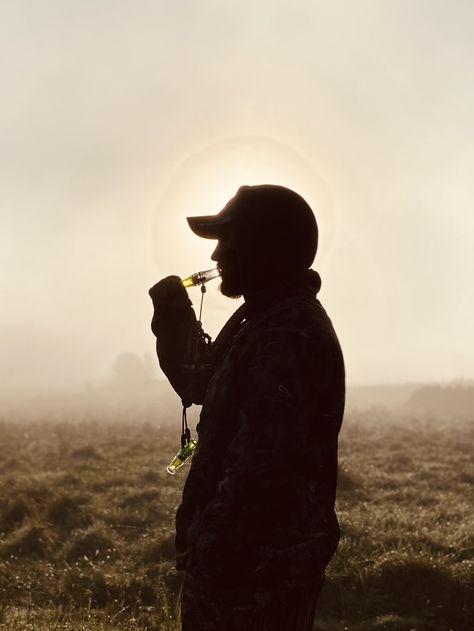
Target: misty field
<point x="87" y="527"/>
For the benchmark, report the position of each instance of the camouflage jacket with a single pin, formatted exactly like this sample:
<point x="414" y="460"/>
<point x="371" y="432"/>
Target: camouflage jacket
<point x="258" y="502"/>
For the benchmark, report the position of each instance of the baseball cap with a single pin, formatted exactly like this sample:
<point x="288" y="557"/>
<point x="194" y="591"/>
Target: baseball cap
<point x="264" y="207"/>
<point x="212" y="226"/>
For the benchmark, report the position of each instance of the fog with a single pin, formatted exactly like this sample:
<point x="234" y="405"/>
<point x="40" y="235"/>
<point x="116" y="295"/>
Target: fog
<point x="121" y="118"/>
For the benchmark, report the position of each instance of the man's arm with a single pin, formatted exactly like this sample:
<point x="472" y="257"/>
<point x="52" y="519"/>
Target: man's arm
<point x="261" y="497"/>
<point x="182" y="351"/>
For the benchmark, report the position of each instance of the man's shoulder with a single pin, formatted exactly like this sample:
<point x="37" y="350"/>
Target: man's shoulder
<point x="301" y="317"/>
<point x="303" y="313"/>
<point x="296" y="339"/>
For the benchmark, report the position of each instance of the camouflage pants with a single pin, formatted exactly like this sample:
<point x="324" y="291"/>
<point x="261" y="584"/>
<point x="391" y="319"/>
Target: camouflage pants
<point x="214" y="608"/>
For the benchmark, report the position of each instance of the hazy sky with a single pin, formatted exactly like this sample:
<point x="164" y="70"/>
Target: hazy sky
<point x="119" y="118"/>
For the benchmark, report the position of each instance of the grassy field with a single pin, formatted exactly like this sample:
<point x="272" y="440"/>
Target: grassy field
<point x="87" y="527"/>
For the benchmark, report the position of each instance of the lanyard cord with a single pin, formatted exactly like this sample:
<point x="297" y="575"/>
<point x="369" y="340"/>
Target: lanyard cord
<point x="185" y="431"/>
<point x="203" y="291"/>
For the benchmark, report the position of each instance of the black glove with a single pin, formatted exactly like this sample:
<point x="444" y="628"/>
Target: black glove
<point x="169" y="294"/>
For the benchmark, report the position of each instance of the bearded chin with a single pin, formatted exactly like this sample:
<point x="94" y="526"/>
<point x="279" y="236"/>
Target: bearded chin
<point x="230" y="288"/>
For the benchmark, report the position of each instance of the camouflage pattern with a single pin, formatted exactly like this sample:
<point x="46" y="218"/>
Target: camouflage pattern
<point x="256" y="527"/>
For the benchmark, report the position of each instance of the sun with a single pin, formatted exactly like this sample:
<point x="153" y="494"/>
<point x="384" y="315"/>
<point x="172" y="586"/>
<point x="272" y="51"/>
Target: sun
<point x="205" y="181"/>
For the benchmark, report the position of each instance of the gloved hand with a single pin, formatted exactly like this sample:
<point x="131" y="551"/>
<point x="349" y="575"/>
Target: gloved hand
<point x="169" y="294"/>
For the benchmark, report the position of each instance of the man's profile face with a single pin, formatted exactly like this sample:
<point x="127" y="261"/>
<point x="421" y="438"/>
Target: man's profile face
<point x="226" y="257"/>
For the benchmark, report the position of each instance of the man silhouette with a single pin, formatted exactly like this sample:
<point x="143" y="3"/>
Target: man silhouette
<point x="256" y="527"/>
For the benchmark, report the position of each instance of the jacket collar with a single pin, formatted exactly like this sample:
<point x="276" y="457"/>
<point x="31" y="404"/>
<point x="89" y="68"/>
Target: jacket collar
<point x="307" y="284"/>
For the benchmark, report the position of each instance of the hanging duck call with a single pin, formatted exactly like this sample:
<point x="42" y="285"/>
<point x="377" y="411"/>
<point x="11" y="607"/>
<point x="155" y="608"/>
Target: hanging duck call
<point x="188" y="444"/>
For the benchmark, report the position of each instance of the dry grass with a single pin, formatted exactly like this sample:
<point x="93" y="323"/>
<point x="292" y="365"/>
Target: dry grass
<point x="87" y="527"/>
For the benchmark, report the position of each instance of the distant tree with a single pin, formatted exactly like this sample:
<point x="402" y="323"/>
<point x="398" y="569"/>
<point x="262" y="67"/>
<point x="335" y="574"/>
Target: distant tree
<point x="456" y="398"/>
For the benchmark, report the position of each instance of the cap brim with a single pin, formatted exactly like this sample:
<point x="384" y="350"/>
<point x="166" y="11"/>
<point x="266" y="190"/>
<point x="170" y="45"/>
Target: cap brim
<point x="208" y="226"/>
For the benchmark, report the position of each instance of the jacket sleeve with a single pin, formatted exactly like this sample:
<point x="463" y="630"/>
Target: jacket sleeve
<point x="184" y="352"/>
<point x="261" y="497"/>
